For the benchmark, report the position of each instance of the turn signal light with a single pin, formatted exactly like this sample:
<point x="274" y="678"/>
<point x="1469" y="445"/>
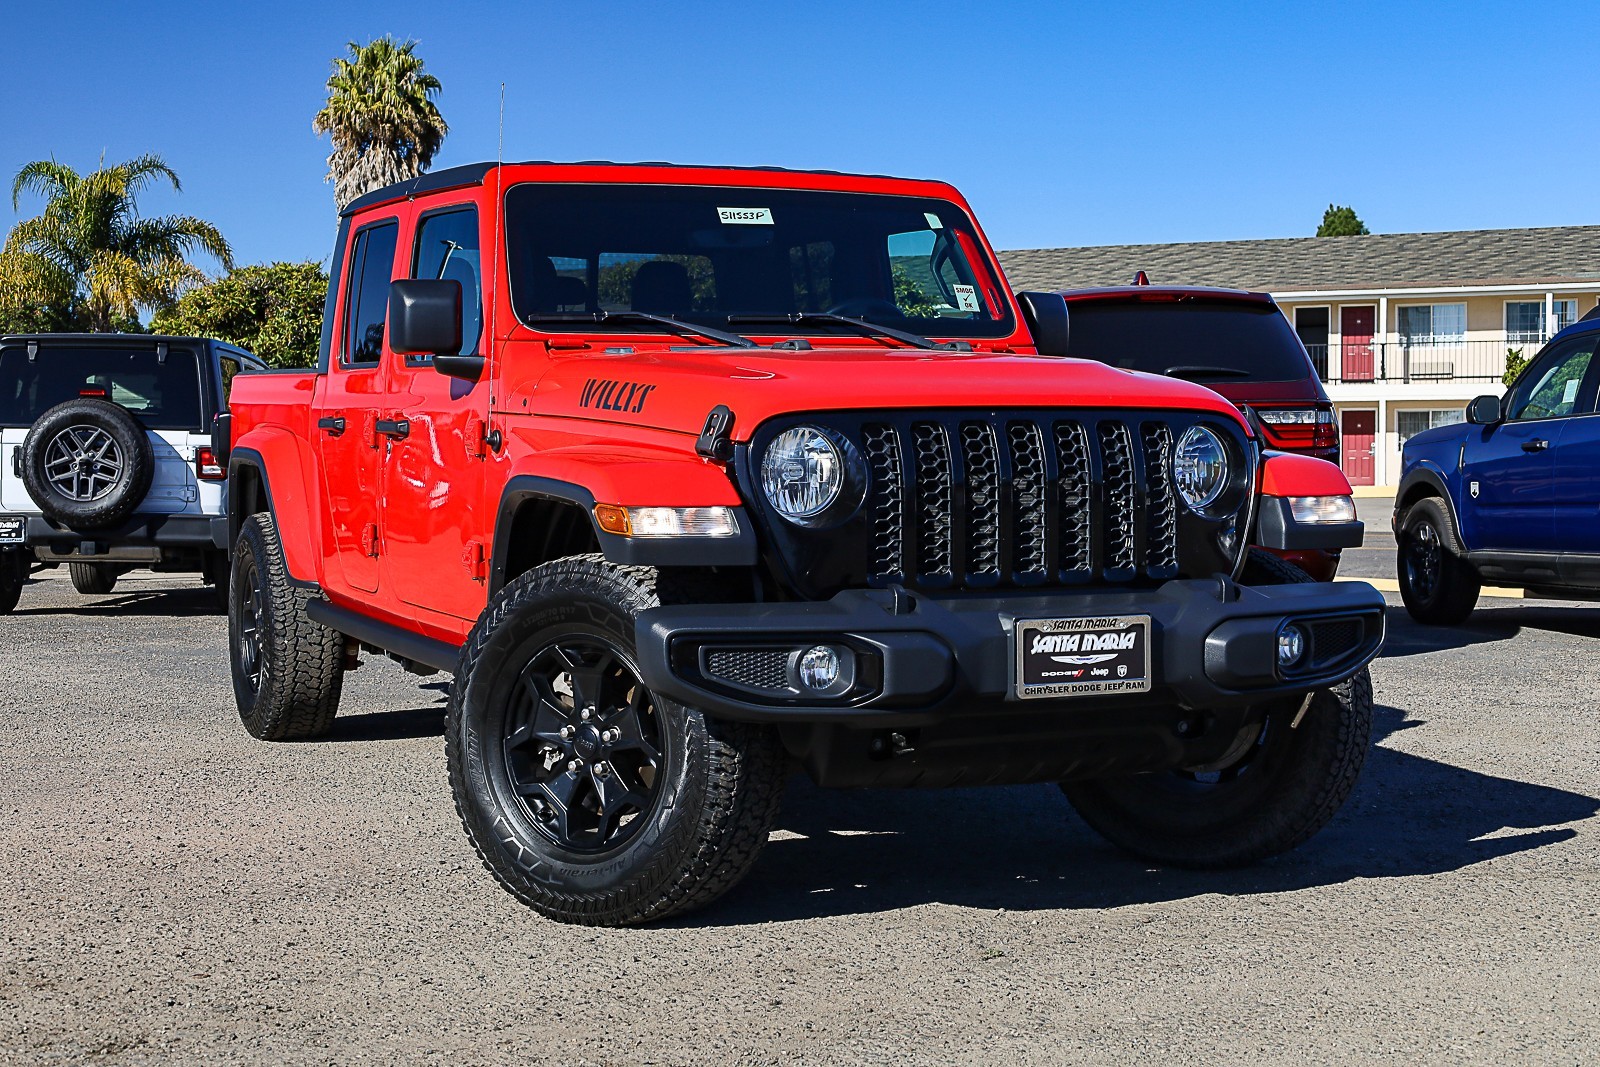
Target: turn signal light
<point x="206" y="467"/>
<point x="666" y="522"/>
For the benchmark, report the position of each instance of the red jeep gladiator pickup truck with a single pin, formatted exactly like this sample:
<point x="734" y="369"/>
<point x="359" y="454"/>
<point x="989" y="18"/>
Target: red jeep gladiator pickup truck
<point x="693" y="475"/>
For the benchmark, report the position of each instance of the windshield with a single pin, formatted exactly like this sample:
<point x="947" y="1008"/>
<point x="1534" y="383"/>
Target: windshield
<point x="162" y="396"/>
<point x="705" y="253"/>
<point x="1216" y="341"/>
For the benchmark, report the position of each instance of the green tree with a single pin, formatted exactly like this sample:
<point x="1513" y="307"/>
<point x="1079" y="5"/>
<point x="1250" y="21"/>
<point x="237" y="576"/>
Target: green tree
<point x="90" y="261"/>
<point x="1515" y="362"/>
<point x="381" y="116"/>
<point x="273" y="310"/>
<point x="1341" y="221"/>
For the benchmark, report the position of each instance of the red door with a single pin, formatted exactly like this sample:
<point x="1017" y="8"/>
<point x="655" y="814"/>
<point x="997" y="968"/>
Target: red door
<point x="1356" y="331"/>
<point x="1360" y="434"/>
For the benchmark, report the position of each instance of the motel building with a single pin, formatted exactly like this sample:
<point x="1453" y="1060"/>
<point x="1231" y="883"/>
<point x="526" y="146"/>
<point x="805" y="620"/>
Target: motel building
<point x="1404" y="328"/>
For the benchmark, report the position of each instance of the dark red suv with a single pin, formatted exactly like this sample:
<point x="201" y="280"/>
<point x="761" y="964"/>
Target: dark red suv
<point x="1235" y="342"/>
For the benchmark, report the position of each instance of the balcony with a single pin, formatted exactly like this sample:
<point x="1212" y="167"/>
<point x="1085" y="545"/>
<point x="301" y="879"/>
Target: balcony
<point x="1418" y="361"/>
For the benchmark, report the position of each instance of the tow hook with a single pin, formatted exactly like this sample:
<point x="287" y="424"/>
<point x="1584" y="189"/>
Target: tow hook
<point x="1305" y="706"/>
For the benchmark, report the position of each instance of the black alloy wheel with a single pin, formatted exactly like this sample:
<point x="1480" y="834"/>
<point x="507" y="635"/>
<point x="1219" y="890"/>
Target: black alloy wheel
<point x="250" y="595"/>
<point x="1438" y="586"/>
<point x="583" y="745"/>
<point x="1422" y="558"/>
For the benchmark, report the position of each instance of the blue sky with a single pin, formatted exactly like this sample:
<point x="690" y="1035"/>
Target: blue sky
<point x="1064" y="123"/>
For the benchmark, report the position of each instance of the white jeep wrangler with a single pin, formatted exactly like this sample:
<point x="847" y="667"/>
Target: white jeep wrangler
<point x="106" y="457"/>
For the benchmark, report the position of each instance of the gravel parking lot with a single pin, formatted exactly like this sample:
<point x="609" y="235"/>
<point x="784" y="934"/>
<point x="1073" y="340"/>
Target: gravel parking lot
<point x="179" y="893"/>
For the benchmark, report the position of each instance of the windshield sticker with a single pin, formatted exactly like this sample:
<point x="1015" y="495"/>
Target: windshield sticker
<point x="745" y="216"/>
<point x="933" y="221"/>
<point x="1570" y="393"/>
<point x="966" y="297"/>
<point x="608" y="395"/>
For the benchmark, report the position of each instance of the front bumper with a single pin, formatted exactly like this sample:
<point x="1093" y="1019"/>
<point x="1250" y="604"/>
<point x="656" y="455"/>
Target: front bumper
<point x="141" y="537"/>
<point x="921" y="659"/>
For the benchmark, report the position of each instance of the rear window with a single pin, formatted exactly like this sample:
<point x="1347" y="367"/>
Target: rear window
<point x="162" y="396"/>
<point x="1207" y="342"/>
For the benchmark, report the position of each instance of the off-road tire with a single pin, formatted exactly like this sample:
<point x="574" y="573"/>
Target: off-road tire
<point x="93" y="579"/>
<point x="13" y="573"/>
<point x="298" y="691"/>
<point x="1286" y="786"/>
<point x="1439" y="588"/>
<point x="716" y="799"/>
<point x="126" y="492"/>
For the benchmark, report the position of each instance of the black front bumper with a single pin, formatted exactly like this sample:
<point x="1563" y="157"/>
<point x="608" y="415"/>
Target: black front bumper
<point x="141" y="531"/>
<point x="921" y="659"/>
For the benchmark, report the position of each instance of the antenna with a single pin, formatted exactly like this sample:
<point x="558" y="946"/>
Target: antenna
<point x="491" y="436"/>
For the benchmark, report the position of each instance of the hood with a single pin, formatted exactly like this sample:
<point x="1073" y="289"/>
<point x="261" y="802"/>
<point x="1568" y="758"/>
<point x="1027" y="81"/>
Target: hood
<point x="676" y="390"/>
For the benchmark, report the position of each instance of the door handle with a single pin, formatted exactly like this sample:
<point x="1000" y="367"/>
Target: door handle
<point x="394" y="429"/>
<point x="333" y="425"/>
<point x="1538" y="444"/>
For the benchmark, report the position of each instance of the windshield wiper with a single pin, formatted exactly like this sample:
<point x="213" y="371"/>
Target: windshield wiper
<point x="1205" y="372"/>
<point x="688" y="329"/>
<point x="862" y="326"/>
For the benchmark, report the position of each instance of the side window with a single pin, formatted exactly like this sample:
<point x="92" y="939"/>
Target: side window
<point x="1553" y="386"/>
<point x="371" y="267"/>
<point x="230" y="371"/>
<point x="448" y="248"/>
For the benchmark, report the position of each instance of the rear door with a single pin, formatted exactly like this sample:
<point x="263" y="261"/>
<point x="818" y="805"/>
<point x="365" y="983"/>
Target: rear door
<point x="434" y="512"/>
<point x="1509" y="470"/>
<point x="348" y="406"/>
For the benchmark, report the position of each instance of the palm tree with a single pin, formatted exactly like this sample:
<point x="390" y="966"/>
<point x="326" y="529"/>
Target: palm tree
<point x="382" y="118"/>
<point x="90" y="259"/>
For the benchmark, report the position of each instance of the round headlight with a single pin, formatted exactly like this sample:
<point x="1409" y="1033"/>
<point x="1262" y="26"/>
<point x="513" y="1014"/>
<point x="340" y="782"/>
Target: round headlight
<point x="802" y="474"/>
<point x="1199" y="467"/>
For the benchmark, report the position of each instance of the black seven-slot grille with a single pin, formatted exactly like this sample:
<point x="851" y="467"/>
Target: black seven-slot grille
<point x="982" y="499"/>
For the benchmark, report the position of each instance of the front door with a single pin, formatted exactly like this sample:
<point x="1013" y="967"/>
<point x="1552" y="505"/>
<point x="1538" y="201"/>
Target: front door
<point x="1356" y="325"/>
<point x="1311" y="325"/>
<point x="1360" y="430"/>
<point x="347" y="408"/>
<point x="1509" y="470"/>
<point x="435" y="518"/>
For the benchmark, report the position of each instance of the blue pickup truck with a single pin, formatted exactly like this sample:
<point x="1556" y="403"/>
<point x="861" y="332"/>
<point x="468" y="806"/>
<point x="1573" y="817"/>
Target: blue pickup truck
<point x="1511" y="497"/>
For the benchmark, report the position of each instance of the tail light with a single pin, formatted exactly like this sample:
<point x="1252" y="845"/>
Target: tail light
<point x="1299" y="429"/>
<point x="207" y="467"/>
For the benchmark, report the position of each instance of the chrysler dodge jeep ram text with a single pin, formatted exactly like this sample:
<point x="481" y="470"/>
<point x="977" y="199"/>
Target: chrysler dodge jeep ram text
<point x="693" y="475"/>
<point x="106" y="459"/>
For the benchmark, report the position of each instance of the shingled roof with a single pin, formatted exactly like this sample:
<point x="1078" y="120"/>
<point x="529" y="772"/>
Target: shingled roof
<point x="1543" y="256"/>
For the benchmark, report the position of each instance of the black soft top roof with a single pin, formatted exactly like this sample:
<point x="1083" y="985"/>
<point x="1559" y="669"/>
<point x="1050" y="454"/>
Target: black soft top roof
<point x="122" y="340"/>
<point x="473" y="174"/>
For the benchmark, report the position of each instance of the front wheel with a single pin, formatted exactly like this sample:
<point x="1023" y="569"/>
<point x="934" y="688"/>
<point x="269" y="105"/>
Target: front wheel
<point x="1281" y="781"/>
<point x="591" y="798"/>
<point x="1439" y="588"/>
<point x="93" y="579"/>
<point x="1287" y="772"/>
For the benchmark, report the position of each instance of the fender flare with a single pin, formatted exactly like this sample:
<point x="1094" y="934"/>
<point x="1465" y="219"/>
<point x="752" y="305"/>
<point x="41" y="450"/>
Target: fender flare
<point x="737" y="551"/>
<point x="273" y="456"/>
<point x="1286" y="474"/>
<point x="1427" y="476"/>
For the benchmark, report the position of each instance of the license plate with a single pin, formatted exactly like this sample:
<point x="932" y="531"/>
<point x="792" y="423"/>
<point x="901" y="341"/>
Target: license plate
<point x="1082" y="657"/>
<point x="10" y="529"/>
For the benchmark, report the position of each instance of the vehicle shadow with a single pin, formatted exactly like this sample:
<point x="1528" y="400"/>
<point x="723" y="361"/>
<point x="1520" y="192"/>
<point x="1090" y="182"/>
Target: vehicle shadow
<point x="1023" y="849"/>
<point x="386" y="726"/>
<point x="1406" y="637"/>
<point x="157" y="603"/>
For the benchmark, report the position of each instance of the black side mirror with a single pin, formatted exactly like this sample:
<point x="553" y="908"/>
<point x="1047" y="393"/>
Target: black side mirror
<point x="425" y="317"/>
<point x="1485" y="411"/>
<point x="1046" y="316"/>
<point x="222" y="438"/>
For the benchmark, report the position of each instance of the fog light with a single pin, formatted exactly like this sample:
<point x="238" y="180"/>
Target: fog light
<point x="1291" y="645"/>
<point x="819" y="668"/>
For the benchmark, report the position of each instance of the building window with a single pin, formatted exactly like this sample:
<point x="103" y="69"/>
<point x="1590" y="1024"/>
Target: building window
<point x="1408" y="424"/>
<point x="1433" y="324"/>
<point x="1525" y="319"/>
